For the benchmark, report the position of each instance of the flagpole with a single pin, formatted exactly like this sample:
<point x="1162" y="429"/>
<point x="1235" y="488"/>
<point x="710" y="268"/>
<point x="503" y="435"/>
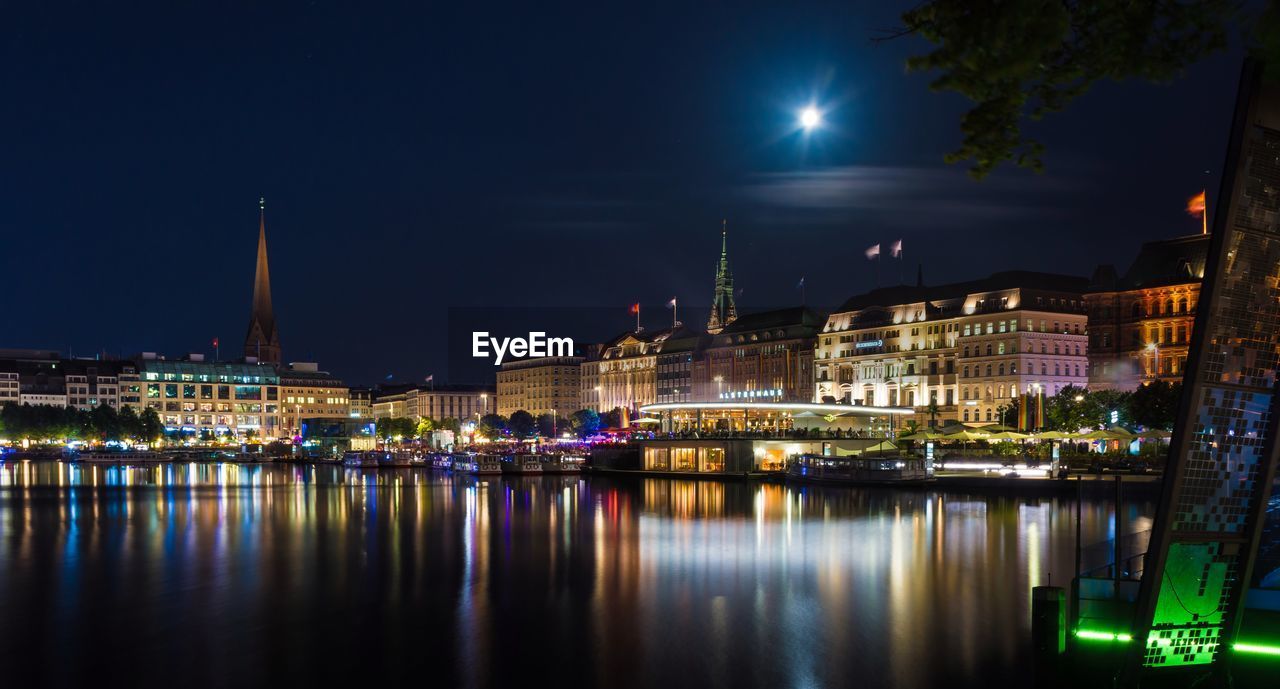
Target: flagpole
<point x="637" y="316"/>
<point x="1204" y="215"/>
<point x="675" y="312"/>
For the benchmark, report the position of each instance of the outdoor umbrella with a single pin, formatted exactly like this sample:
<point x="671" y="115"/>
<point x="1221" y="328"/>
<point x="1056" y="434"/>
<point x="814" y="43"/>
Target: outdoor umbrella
<point x="966" y="435"/>
<point x="1008" y="435"/>
<point x="1094" y="435"/>
<point x="997" y="428"/>
<point x="1052" y="435"/>
<point x="923" y="435"/>
<point x="1154" y="434"/>
<point x="1121" y="433"/>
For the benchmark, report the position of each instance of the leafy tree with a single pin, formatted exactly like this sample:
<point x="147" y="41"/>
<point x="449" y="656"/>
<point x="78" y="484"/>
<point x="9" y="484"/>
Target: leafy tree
<point x="522" y="424"/>
<point x="424" y="428"/>
<point x="492" y="426"/>
<point x="449" y="425"/>
<point x="932" y="411"/>
<point x="1018" y="59"/>
<point x="151" y="426"/>
<point x="611" y="418"/>
<point x="1064" y="412"/>
<point x="584" y="422"/>
<point x="549" y="425"/>
<point x="1154" y="405"/>
<point x="130" y="424"/>
<point x="406" y="428"/>
<point x="105" y="423"/>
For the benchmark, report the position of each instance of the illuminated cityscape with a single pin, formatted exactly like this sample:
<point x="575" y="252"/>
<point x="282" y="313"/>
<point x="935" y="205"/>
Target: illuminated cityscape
<point x="811" y="345"/>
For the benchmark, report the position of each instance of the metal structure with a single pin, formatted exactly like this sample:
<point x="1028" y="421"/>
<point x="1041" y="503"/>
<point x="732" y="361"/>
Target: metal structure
<point x="1223" y="453"/>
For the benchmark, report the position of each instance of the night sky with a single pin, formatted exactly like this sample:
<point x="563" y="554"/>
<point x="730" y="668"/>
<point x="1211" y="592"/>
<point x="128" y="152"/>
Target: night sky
<point x="423" y="159"/>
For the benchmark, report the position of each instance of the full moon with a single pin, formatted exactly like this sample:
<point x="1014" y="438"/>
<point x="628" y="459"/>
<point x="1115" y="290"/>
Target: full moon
<point x="810" y="117"/>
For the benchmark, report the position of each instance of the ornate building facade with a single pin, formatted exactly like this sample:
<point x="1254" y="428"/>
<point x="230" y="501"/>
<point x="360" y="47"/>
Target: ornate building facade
<point x="966" y="348"/>
<point x="540" y="386"/>
<point x="760" y="357"/>
<point x="631" y="370"/>
<point x="1140" y="324"/>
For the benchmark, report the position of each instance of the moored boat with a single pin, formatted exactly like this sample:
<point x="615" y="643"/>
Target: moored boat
<point x="400" y="458"/>
<point x="522" y="465"/>
<point x="363" y="459"/>
<point x="562" y="464"/>
<point x="441" y="462"/>
<point x="478" y="465"/>
<point x="121" y="456"/>
<point x="853" y="470"/>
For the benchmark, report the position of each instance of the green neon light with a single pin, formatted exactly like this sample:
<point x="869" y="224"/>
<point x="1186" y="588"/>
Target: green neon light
<point x="1256" y="648"/>
<point x="1124" y="638"/>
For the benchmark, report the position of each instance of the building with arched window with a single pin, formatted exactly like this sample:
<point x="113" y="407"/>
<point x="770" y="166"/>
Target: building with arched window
<point x="1140" y="324"/>
<point x="955" y="352"/>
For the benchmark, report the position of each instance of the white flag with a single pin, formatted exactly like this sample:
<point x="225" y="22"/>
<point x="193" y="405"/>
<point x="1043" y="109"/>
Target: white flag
<point x="671" y="304"/>
<point x="873" y="252"/>
<point x="895" y="249"/>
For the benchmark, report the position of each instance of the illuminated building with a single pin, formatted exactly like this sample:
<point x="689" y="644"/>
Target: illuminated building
<point x="262" y="341"/>
<point x="459" y="402"/>
<point x="361" y="400"/>
<point x="1140" y="324"/>
<point x="540" y="385"/>
<point x="625" y="373"/>
<point x="675" y="365"/>
<point x="198" y="396"/>
<point x="440" y="402"/>
<point x="310" y="394"/>
<point x="739" y="452"/>
<point x="41" y="377"/>
<point x="391" y="402"/>
<point x="723" y="310"/>
<point x="762" y="357"/>
<point x="968" y="348"/>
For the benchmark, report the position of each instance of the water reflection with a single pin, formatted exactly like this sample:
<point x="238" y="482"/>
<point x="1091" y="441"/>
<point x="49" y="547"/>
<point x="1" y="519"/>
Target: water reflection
<point x="249" y="574"/>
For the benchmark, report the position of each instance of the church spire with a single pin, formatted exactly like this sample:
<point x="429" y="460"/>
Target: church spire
<point x="262" y="341"/>
<point x="723" y="310"/>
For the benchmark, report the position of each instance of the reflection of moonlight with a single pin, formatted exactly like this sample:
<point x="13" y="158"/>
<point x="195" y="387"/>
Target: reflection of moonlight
<point x="810" y="117"/>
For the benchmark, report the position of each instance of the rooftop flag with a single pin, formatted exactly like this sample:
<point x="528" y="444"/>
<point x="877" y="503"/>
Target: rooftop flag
<point x="1198" y="206"/>
<point x="873" y="252"/>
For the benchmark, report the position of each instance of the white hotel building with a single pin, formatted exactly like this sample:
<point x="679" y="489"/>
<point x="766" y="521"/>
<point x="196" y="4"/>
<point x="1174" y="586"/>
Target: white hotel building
<point x="969" y="348"/>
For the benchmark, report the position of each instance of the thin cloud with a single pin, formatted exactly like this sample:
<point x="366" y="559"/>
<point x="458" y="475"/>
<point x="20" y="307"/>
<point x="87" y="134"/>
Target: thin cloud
<point x="900" y="195"/>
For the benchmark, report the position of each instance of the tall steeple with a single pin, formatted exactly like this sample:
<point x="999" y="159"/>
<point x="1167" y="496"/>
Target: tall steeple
<point x="723" y="311"/>
<point x="262" y="340"/>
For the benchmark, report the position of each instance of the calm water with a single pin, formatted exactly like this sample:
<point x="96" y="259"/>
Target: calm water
<point x="234" y="576"/>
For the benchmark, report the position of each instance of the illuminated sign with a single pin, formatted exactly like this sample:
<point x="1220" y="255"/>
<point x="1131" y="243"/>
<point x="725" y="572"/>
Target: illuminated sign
<point x="870" y="343"/>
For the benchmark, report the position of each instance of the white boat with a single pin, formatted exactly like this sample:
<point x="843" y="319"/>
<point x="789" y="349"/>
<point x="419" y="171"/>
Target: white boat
<point x="441" y="462"/>
<point x="478" y="465"/>
<point x="522" y="465"/>
<point x="400" y="458"/>
<point x="121" y="456"/>
<point x="365" y="459"/>
<point x="562" y="464"/>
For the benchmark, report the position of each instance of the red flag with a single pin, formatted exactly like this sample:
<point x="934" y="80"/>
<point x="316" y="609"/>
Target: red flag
<point x="635" y="308"/>
<point x="1196" y="204"/>
<point x="215" y="342"/>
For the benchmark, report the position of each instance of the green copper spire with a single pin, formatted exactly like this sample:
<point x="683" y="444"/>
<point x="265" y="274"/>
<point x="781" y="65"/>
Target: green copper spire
<point x="723" y="310"/>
